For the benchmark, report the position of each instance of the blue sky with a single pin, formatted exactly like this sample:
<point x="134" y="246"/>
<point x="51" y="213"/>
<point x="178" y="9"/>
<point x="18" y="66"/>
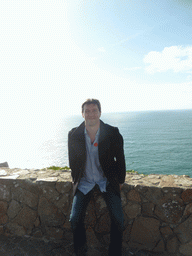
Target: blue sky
<point x="131" y="55"/>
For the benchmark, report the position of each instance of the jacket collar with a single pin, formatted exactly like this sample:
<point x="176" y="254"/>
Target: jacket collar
<point x="79" y="131"/>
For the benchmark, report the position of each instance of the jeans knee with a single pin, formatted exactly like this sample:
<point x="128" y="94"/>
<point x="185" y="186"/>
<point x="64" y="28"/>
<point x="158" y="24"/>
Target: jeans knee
<point x="119" y="223"/>
<point x="75" y="222"/>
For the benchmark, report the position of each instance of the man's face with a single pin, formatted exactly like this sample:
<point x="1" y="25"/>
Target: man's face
<point x="91" y="114"/>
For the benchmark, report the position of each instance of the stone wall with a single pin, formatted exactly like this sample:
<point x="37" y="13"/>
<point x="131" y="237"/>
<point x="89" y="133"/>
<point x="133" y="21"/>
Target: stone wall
<point x="157" y="210"/>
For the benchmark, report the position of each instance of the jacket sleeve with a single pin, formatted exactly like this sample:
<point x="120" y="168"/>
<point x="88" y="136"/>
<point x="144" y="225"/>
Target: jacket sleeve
<point x="119" y="156"/>
<point x="77" y="155"/>
<point x="71" y="156"/>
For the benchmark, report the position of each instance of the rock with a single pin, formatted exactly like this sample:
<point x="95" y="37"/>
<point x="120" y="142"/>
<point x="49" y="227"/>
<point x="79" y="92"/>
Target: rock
<point x="153" y="195"/>
<point x="123" y="199"/>
<point x="3" y="173"/>
<point x="148" y="209"/>
<point x="50" y="192"/>
<point x="3" y="207"/>
<point x="92" y="240"/>
<point x="160" y="247"/>
<point x="172" y="245"/>
<point x="90" y="217"/>
<point x="1" y="230"/>
<point x="133" y="195"/>
<point x="3" y="219"/>
<point x="100" y="206"/>
<point x="24" y="196"/>
<point x="188" y="210"/>
<point x="15" y="229"/>
<point x="49" y="214"/>
<point x="170" y="208"/>
<point x="127" y="233"/>
<point x="5" y="193"/>
<point x="157" y="218"/>
<point x="166" y="232"/>
<point x="56" y="233"/>
<point x="63" y="203"/>
<point x="26" y="217"/>
<point x="187" y="196"/>
<point x="103" y="224"/>
<point x="63" y="187"/>
<point x="184" y="231"/>
<point x="5" y="164"/>
<point x="145" y="232"/>
<point x="186" y="249"/>
<point x="14" y="208"/>
<point x="132" y="210"/>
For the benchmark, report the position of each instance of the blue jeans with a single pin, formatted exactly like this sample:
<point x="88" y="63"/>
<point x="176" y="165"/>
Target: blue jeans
<point x="79" y="206"/>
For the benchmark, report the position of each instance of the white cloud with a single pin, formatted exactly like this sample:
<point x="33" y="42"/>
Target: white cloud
<point x="176" y="58"/>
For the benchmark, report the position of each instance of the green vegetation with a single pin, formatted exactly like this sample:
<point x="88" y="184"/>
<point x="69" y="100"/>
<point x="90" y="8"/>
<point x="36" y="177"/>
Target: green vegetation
<point x="132" y="171"/>
<point x="67" y="168"/>
<point x="58" y="168"/>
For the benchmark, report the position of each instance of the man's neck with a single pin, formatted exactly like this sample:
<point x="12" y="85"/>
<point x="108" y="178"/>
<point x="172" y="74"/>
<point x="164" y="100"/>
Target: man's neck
<point x="92" y="130"/>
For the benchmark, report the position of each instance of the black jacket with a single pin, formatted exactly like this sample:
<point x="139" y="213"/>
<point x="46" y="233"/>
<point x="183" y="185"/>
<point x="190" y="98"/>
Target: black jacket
<point x="111" y="154"/>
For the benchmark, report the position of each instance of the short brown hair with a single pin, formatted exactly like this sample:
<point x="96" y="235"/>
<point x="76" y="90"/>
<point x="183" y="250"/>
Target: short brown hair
<point x="92" y="101"/>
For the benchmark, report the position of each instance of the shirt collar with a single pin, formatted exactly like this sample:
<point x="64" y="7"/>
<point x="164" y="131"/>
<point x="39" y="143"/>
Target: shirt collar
<point x="97" y="134"/>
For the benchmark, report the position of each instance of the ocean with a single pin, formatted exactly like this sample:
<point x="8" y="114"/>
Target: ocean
<point x="158" y="142"/>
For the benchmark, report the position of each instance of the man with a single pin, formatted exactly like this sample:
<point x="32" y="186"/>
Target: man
<point x="96" y="159"/>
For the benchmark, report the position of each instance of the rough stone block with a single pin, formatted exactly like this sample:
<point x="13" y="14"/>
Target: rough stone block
<point x="153" y="195"/>
<point x="170" y="208"/>
<point x="49" y="214"/>
<point x="172" y="245"/>
<point x="28" y="185"/>
<point x="63" y="203"/>
<point x="145" y="232"/>
<point x="184" y="231"/>
<point x="188" y="210"/>
<point x="52" y="232"/>
<point x="100" y="206"/>
<point x="90" y="217"/>
<point x="13" y="210"/>
<point x="15" y="229"/>
<point x="37" y="222"/>
<point x="187" y="196"/>
<point x="132" y="210"/>
<point x="26" y="217"/>
<point x="148" y="209"/>
<point x="24" y="196"/>
<point x="3" y="219"/>
<point x="127" y="233"/>
<point x="133" y="195"/>
<point x="5" y="164"/>
<point x="3" y="207"/>
<point x="50" y="192"/>
<point x="1" y="230"/>
<point x="92" y="240"/>
<point x="37" y="233"/>
<point x="5" y="192"/>
<point x="160" y="247"/>
<point x="103" y="224"/>
<point x="186" y="249"/>
<point x="123" y="199"/>
<point x="166" y="232"/>
<point x="63" y="187"/>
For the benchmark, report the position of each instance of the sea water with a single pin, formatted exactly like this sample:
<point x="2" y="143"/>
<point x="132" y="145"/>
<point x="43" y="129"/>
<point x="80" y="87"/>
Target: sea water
<point x="158" y="142"/>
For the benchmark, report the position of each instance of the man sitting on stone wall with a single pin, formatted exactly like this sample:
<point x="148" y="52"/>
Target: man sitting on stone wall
<point x="96" y="159"/>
